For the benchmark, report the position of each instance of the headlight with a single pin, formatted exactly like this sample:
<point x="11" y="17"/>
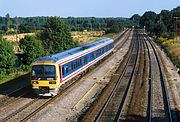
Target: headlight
<point x="35" y="82"/>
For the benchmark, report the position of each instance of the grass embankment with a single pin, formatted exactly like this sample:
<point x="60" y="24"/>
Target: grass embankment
<point x="6" y="78"/>
<point x="172" y="49"/>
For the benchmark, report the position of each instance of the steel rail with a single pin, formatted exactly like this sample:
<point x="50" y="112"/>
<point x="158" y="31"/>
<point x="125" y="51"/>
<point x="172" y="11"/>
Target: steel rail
<point x="118" y="115"/>
<point x="149" y="109"/>
<point x="164" y="88"/>
<point x="116" y="85"/>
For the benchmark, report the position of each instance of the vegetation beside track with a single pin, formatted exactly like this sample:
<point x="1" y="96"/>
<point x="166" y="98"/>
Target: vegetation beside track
<point x="171" y="48"/>
<point x="11" y="76"/>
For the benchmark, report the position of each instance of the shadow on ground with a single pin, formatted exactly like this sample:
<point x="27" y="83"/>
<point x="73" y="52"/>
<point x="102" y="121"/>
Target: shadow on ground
<point x="21" y="83"/>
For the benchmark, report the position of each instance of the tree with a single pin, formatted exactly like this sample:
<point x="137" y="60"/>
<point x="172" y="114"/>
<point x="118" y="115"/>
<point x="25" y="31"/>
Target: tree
<point x="7" y="57"/>
<point x="32" y="48"/>
<point x="114" y="26"/>
<point x="16" y="24"/>
<point x="56" y="36"/>
<point x="7" y="22"/>
<point x="166" y="18"/>
<point x="27" y="27"/>
<point x="149" y="21"/>
<point x="160" y="29"/>
<point x="136" y="18"/>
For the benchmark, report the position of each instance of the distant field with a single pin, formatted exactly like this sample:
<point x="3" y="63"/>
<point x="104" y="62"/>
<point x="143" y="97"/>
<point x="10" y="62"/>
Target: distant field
<point x="16" y="37"/>
<point x="80" y="37"/>
<point x="84" y="37"/>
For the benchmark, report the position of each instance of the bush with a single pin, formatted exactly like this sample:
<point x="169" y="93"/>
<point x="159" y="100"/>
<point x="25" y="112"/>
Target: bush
<point x="7" y="57"/>
<point x="32" y="48"/>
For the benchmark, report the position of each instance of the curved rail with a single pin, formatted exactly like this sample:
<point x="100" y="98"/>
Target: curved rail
<point x="164" y="88"/>
<point x="149" y="108"/>
<point x="100" y="114"/>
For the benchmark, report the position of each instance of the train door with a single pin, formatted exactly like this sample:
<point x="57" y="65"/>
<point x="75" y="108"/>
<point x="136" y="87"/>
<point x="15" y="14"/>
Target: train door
<point x="60" y="73"/>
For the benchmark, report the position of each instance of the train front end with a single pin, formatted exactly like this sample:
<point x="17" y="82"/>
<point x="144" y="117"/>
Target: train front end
<point x="44" y="79"/>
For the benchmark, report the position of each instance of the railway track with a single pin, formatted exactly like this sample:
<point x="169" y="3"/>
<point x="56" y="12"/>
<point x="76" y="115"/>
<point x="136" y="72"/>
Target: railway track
<point x="25" y="108"/>
<point x="167" y="109"/>
<point x="14" y="96"/>
<point x="35" y="105"/>
<point x="145" y="99"/>
<point x="155" y="107"/>
<point x="111" y="110"/>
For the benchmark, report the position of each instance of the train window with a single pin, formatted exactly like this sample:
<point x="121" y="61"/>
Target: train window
<point x="92" y="55"/>
<point x="72" y="66"/>
<point x="67" y="68"/>
<point x="44" y="71"/>
<point x="37" y="70"/>
<point x="80" y="61"/>
<point x="77" y="63"/>
<point x="49" y="70"/>
<point x="62" y="70"/>
<point x="95" y="54"/>
<point x="85" y="59"/>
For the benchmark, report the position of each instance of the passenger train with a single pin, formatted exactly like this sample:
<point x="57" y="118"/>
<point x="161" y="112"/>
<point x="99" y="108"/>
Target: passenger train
<point x="50" y="72"/>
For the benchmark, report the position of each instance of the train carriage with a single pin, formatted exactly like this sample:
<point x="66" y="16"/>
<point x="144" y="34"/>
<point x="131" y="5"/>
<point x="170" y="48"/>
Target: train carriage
<point x="50" y="72"/>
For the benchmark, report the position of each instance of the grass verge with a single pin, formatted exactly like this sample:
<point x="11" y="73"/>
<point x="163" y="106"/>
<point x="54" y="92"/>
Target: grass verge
<point x="6" y="78"/>
<point x="171" y="48"/>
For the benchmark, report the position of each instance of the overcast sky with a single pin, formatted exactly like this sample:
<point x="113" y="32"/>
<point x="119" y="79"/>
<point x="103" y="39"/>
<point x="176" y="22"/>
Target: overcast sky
<point x="83" y="8"/>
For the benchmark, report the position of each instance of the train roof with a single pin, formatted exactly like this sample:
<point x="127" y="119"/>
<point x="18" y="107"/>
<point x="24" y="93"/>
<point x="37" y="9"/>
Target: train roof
<point x="58" y="56"/>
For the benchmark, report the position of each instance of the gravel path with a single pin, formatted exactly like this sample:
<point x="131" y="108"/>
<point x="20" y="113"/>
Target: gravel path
<point x="77" y="99"/>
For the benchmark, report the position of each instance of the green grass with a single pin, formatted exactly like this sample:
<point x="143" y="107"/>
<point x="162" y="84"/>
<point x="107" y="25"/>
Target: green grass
<point x="6" y="78"/>
<point x="110" y="35"/>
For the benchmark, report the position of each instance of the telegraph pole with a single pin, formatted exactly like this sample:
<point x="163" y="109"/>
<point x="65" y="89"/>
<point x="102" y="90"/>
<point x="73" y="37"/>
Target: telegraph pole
<point x="16" y="20"/>
<point x="176" y="26"/>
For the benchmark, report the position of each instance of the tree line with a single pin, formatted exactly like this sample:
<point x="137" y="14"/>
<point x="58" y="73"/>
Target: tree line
<point x="162" y="24"/>
<point x="10" y="25"/>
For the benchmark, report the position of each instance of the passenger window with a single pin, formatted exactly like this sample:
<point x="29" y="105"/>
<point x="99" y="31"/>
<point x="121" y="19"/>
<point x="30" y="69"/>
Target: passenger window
<point x="67" y="68"/>
<point x="62" y="70"/>
<point x="72" y="66"/>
